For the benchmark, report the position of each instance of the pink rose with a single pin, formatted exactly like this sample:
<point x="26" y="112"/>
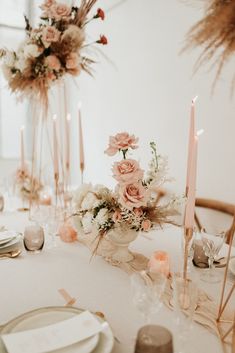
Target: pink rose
<point x="132" y="195"/>
<point x="146" y="225"/>
<point x="117" y="216"/>
<point x="127" y="171"/>
<point x="138" y="212"/>
<point x="122" y="141"/>
<point x="53" y="62"/>
<point x="72" y="61"/>
<point x="46" y="6"/>
<point x="50" y="34"/>
<point x="60" y="12"/>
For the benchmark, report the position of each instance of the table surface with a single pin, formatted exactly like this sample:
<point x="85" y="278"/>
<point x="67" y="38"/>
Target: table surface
<point x="32" y="281"/>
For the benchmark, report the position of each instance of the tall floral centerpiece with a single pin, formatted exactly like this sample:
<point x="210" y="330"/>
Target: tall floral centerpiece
<point x="55" y="48"/>
<point x="117" y="216"/>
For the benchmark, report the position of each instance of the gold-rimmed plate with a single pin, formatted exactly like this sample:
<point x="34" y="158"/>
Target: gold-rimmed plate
<point x="100" y="343"/>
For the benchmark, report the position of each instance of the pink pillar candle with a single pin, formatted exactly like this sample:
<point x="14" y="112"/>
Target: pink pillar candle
<point x="68" y="118"/>
<point x="159" y="263"/>
<point x="81" y="148"/>
<point x="55" y="145"/>
<point x="190" y="143"/>
<point x="190" y="205"/>
<point x="22" y="147"/>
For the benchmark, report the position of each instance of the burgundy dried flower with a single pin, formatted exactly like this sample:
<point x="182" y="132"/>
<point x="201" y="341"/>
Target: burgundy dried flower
<point x="103" y="40"/>
<point x="100" y="14"/>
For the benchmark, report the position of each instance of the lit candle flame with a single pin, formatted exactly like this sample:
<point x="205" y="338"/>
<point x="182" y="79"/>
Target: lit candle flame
<point x="54" y="117"/>
<point x="68" y="117"/>
<point x="200" y="132"/>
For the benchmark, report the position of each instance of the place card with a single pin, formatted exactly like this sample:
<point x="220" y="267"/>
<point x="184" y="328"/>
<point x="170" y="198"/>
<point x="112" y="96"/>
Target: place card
<point x="52" y="337"/>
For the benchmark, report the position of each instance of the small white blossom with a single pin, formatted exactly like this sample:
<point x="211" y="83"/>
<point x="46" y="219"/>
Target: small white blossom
<point x="87" y="222"/>
<point x="9" y="58"/>
<point x="102" y="216"/>
<point x="80" y="193"/>
<point x="90" y="201"/>
<point x="31" y="51"/>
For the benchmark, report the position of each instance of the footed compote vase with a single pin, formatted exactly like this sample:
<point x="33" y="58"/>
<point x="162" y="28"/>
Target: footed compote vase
<point x="121" y="238"/>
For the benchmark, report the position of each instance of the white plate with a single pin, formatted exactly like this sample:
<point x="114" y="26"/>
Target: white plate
<point x="100" y="343"/>
<point x="231" y="266"/>
<point x="6" y="236"/>
<point x="9" y="244"/>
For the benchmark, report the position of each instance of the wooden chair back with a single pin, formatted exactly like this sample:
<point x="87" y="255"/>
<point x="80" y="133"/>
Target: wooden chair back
<point x="220" y="206"/>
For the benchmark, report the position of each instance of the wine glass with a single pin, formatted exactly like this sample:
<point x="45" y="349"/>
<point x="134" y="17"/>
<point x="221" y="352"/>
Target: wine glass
<point x="54" y="219"/>
<point x="185" y="295"/>
<point x="147" y="290"/>
<point x="212" y="245"/>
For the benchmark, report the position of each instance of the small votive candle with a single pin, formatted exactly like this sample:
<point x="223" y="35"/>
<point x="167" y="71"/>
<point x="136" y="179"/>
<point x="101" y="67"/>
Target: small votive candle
<point x="154" y="339"/>
<point x="159" y="263"/>
<point x="67" y="233"/>
<point x="45" y="199"/>
<point x="33" y="238"/>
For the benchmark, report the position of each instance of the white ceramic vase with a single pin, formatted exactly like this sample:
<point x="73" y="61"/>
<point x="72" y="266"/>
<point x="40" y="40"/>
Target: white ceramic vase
<point x="121" y="238"/>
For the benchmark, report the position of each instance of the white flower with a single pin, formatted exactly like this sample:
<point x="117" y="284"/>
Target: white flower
<point x="87" y="222"/>
<point x="6" y="72"/>
<point x="80" y="193"/>
<point x="9" y="58"/>
<point x="89" y="201"/>
<point x="21" y="63"/>
<point x="31" y="51"/>
<point x="102" y="216"/>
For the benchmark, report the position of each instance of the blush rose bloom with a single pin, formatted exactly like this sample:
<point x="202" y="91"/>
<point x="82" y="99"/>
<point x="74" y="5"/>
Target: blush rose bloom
<point x="46" y="7"/>
<point x="127" y="171"/>
<point x="122" y="141"/>
<point x="138" y="212"/>
<point x="47" y="4"/>
<point x="72" y="61"/>
<point x="60" y="11"/>
<point x="50" y="34"/>
<point x="146" y="225"/>
<point x="132" y="195"/>
<point x="53" y="62"/>
<point x="117" y="216"/>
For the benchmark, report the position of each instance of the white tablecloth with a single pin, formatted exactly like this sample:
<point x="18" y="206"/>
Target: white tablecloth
<point x="31" y="281"/>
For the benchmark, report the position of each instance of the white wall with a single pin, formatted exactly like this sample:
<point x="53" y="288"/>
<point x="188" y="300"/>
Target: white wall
<point x="147" y="91"/>
<point x="149" y="94"/>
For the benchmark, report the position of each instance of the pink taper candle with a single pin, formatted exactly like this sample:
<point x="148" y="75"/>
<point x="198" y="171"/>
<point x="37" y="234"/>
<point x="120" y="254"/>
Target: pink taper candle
<point x="81" y="148"/>
<point x="190" y="205"/>
<point x="22" y="146"/>
<point x="55" y="145"/>
<point x="67" y="160"/>
<point x="190" y="143"/>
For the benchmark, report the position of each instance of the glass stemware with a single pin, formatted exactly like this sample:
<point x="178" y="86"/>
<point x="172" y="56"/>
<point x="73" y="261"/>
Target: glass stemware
<point x="185" y="295"/>
<point x="212" y="245"/>
<point x="147" y="290"/>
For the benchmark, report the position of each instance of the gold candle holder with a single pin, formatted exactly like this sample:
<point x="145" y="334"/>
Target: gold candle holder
<point x="226" y="328"/>
<point x="188" y="234"/>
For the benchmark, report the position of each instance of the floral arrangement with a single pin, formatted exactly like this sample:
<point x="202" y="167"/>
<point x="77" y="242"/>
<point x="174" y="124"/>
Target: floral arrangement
<point x="51" y="50"/>
<point x="216" y="33"/>
<point x="27" y="187"/>
<point x="135" y="202"/>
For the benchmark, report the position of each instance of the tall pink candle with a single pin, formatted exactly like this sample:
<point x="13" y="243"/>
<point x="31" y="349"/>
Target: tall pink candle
<point x="22" y="147"/>
<point x="190" y="205"/>
<point x="81" y="148"/>
<point x="67" y="160"/>
<point x="55" y="145"/>
<point x="190" y="143"/>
